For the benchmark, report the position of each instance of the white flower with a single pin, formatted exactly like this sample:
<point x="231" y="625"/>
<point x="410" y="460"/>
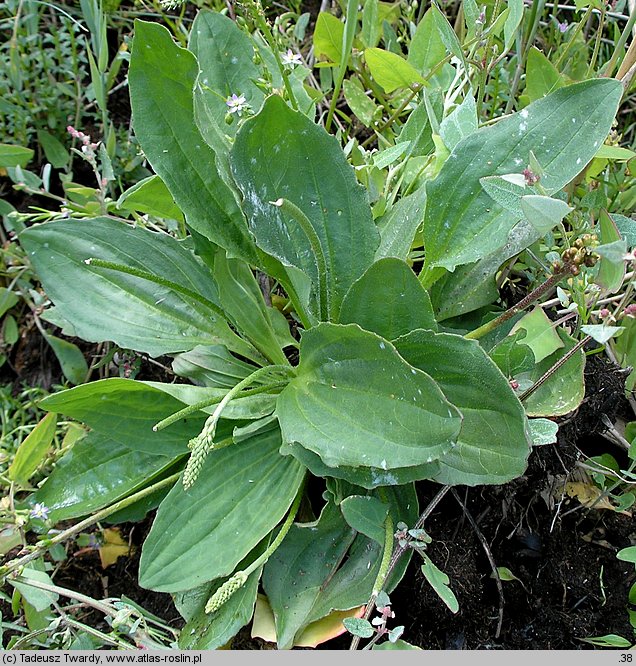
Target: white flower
<point x="290" y="59"/>
<point x="237" y="103"/>
<point x="40" y="511"/>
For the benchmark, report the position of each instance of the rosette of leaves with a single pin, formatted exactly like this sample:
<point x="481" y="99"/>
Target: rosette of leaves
<point x="381" y="395"/>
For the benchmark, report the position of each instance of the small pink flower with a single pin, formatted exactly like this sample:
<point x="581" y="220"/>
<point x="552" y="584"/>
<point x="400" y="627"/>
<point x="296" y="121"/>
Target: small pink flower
<point x="236" y="103"/>
<point x="630" y="310"/>
<point x="291" y="59"/>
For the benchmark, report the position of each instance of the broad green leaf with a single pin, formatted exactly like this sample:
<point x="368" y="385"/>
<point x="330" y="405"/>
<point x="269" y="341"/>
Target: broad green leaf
<point x="211" y="366"/>
<point x="505" y="574"/>
<point x="12" y="156"/>
<point x="126" y="410"/>
<point x="240" y="408"/>
<point x="460" y="123"/>
<point x="226" y="61"/>
<point x="203" y="533"/>
<point x="308" y="577"/>
<point x="543" y="431"/>
<point x="315" y="633"/>
<point x="493" y="444"/>
<point x="161" y="79"/>
<point x="354" y="382"/>
<point x="55" y="151"/>
<point x="602" y="332"/>
<point x="610" y="274"/>
<point x="609" y="640"/>
<point x="541" y="334"/>
<point x="513" y="20"/>
<point x="447" y="35"/>
<point x="371" y="23"/>
<point x="399" y="226"/>
<point x="426" y="49"/>
<point x="38" y="598"/>
<point x="358" y="626"/>
<point x="627" y="554"/>
<point x="152" y="197"/>
<point x="281" y="154"/>
<point x="440" y="582"/>
<point x="71" y="359"/>
<point x="10" y="331"/>
<point x="328" y="38"/>
<point x="366" y="514"/>
<point x="367" y="477"/>
<point x="359" y="102"/>
<point x="417" y="128"/>
<point x="242" y="300"/>
<point x="391" y="71"/>
<point x="33" y="449"/>
<point x="7" y="300"/>
<point x="614" y="251"/>
<point x="96" y="472"/>
<point x="544" y="213"/>
<point x="512" y="355"/>
<point x="625" y="347"/>
<point x="397" y="645"/>
<point x="614" y="153"/>
<point x="563" y="130"/>
<point x="388" y="300"/>
<point x="294" y="576"/>
<point x="472" y="286"/>
<point x="564" y="390"/>
<point x="507" y="191"/>
<point x="135" y="313"/>
<point x="390" y="155"/>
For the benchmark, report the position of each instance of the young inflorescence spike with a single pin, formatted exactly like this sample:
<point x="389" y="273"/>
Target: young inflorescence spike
<point x="226" y="590"/>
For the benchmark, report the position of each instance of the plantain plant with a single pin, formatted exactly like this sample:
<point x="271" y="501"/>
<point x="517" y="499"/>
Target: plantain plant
<point x="378" y="370"/>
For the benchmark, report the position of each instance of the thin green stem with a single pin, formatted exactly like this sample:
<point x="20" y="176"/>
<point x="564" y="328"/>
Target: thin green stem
<point x="620" y="45"/>
<point x="262" y="23"/>
<point x="383" y="571"/>
<point x="282" y="533"/>
<point x="236" y="581"/>
<point x="208" y="402"/>
<point x="71" y="594"/>
<point x="560" y="363"/>
<point x="42" y="546"/>
<point x="573" y="36"/>
<point x="151" y="277"/>
<point x="347" y="42"/>
<point x="400" y="550"/>
<point x="291" y="209"/>
<point x="204" y="442"/>
<point x="597" y="44"/>
<point x="483" y="79"/>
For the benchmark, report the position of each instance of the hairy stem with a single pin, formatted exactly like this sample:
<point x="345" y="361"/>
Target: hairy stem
<point x="151" y="277"/>
<point x="236" y="582"/>
<point x="44" y="545"/>
<point x="316" y="247"/>
<point x="204" y="442"/>
<point x="561" y="362"/>
<point x="534" y="295"/>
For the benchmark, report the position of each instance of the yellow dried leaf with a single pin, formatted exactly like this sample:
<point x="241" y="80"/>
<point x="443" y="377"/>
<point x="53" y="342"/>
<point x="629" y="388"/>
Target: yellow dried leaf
<point x="113" y="547"/>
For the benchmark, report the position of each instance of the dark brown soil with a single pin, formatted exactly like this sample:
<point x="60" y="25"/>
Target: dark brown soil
<point x="571" y="584"/>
